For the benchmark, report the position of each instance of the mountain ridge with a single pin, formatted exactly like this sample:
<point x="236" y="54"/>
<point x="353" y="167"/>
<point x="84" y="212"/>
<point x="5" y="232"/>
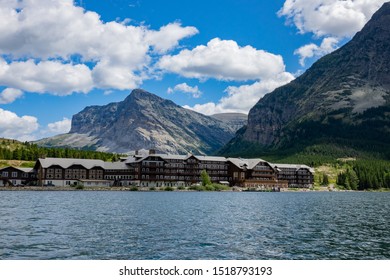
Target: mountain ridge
<point x="143" y="121"/>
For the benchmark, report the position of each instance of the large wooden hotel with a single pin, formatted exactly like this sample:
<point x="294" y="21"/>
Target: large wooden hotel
<point x="149" y="169"/>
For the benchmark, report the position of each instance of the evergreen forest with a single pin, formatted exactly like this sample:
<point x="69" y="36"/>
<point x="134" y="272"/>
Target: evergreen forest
<point x="26" y="151"/>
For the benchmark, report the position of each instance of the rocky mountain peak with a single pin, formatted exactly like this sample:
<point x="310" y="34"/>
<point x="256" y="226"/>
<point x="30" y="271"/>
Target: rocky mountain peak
<point x="140" y="94"/>
<point x="146" y="100"/>
<point x="144" y="121"/>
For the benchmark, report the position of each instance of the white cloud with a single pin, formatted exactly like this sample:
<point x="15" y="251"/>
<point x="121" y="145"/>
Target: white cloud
<point x="107" y="75"/>
<point x="337" y="18"/>
<point x="51" y="32"/>
<point x="46" y="77"/>
<point x="108" y="92"/>
<point x="9" y="95"/>
<point x="60" y="126"/>
<point x="208" y="109"/>
<point x="168" y="36"/>
<point x="226" y="60"/>
<point x="312" y="50"/>
<point x="184" y="87"/>
<point x="242" y="99"/>
<point x="223" y="60"/>
<point x="15" y="127"/>
<point x="330" y="19"/>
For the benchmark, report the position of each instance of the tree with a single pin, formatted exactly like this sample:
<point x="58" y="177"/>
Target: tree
<point x="387" y="180"/>
<point x="325" y="180"/>
<point x="205" y="178"/>
<point x="17" y="154"/>
<point x="115" y="158"/>
<point x="348" y="179"/>
<point x="352" y="179"/>
<point x="341" y="179"/>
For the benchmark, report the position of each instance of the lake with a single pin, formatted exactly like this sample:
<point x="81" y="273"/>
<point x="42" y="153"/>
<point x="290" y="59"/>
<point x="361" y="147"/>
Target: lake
<point x="194" y="225"/>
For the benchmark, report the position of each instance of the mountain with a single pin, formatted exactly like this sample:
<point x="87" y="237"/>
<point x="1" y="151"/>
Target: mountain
<point x="342" y="102"/>
<point x="234" y="120"/>
<point x="143" y="121"/>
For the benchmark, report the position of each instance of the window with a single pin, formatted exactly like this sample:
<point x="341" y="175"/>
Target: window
<point x="14" y="174"/>
<point x="99" y="174"/>
<point x="92" y="174"/>
<point x="58" y="173"/>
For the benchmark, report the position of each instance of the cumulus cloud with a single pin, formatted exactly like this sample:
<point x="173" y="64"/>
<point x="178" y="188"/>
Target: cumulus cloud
<point x="329" y="19"/>
<point x="226" y="60"/>
<point x="168" y="36"/>
<point x="15" y="127"/>
<point x="337" y="18"/>
<point x="241" y="99"/>
<point x="312" y="50"/>
<point x="107" y="75"/>
<point x="223" y="60"/>
<point x="46" y="77"/>
<point x="42" y="35"/>
<point x="60" y="126"/>
<point x="184" y="87"/>
<point x="9" y="95"/>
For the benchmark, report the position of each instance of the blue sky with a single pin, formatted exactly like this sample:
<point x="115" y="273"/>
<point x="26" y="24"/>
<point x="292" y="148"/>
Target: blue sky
<point x="59" y="56"/>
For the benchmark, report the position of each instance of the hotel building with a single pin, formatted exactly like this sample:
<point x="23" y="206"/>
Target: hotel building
<point x="149" y="169"/>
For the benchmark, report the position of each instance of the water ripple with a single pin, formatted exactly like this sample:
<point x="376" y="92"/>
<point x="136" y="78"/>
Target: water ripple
<point x="132" y="225"/>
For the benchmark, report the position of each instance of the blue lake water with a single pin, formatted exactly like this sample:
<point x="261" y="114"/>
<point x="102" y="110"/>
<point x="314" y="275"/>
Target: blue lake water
<point x="194" y="225"/>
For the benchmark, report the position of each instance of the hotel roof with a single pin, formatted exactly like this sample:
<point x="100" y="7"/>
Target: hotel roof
<point x="292" y="166"/>
<point x="132" y="159"/>
<point x="243" y="162"/>
<point x="23" y="169"/>
<point x="87" y="163"/>
<point x="67" y="162"/>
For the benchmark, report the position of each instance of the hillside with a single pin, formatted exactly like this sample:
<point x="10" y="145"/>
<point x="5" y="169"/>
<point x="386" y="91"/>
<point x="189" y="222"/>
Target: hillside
<point x="234" y="120"/>
<point x="15" y="153"/>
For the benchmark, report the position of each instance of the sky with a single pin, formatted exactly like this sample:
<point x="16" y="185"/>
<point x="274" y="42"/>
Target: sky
<point x="59" y="56"/>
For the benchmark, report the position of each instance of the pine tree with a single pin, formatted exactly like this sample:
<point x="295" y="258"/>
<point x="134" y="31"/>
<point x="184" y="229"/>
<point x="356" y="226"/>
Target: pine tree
<point x="205" y="178"/>
<point x="387" y="180"/>
<point x="353" y="179"/>
<point x="325" y="180"/>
